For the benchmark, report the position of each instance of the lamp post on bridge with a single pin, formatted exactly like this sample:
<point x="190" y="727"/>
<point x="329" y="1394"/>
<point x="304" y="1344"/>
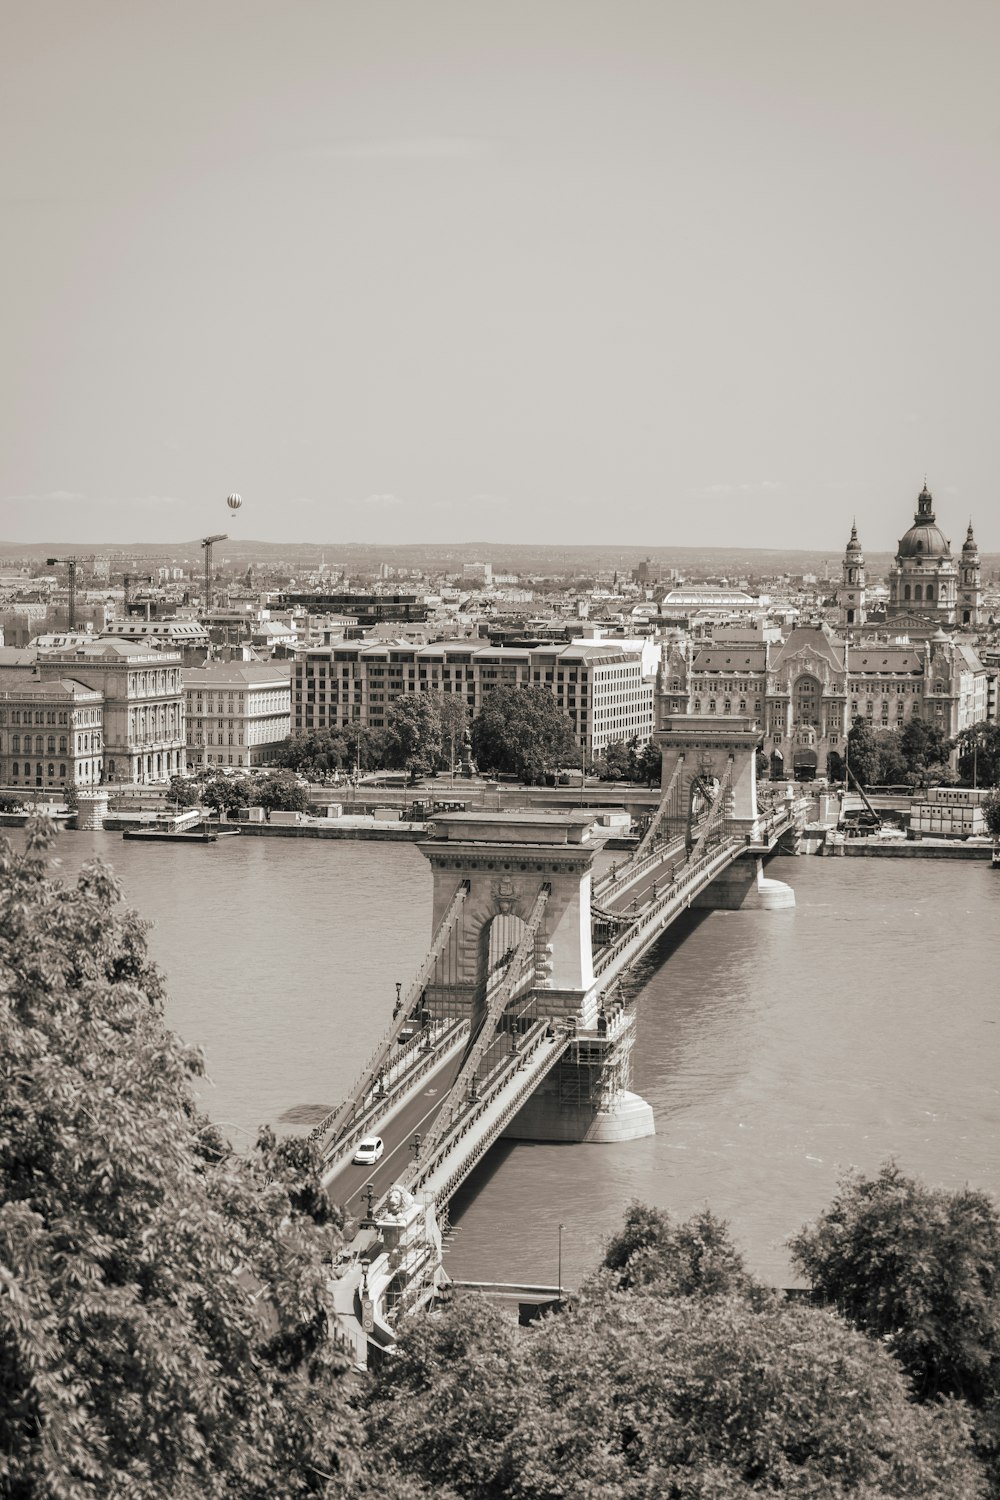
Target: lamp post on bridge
<point x="560" y="1262"/>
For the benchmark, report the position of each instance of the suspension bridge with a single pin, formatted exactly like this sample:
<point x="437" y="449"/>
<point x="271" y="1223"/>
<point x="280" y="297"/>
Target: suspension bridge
<point x="517" y="1023"/>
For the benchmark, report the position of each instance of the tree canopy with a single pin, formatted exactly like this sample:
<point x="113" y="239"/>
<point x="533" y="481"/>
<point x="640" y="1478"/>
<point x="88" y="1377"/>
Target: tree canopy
<point x="163" y="1327"/>
<point x="979" y="754"/>
<point x="680" y="1385"/>
<point x="413" y="733"/>
<point x="918" y="1266"/>
<point x="520" y="731"/>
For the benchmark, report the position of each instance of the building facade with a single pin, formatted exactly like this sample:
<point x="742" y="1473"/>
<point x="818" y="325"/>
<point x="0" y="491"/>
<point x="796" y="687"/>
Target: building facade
<point x="926" y="582"/>
<point x="605" y="688"/>
<point x="236" y="712"/>
<point x="143" y="705"/>
<point x="807" y="690"/>
<point x="51" y="734"/>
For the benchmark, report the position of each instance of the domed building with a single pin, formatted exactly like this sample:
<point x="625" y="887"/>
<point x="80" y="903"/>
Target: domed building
<point x="926" y="582"/>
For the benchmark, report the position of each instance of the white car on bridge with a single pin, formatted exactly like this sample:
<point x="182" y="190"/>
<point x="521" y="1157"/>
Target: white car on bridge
<point x="369" y="1150"/>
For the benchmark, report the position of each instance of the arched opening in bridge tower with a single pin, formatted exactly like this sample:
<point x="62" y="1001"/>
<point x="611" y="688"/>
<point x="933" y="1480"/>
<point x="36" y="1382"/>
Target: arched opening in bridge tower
<point x="499" y="940"/>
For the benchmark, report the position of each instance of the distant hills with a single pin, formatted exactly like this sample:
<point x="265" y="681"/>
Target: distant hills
<point x="443" y="557"/>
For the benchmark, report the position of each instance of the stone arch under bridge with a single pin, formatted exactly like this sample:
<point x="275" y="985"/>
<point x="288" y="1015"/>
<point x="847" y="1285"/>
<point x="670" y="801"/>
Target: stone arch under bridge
<point x="506" y="861"/>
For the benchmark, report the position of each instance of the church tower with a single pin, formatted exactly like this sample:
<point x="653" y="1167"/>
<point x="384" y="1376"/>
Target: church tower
<point x="970" y="582"/>
<point x="851" y="594"/>
<point x="924" y="575"/>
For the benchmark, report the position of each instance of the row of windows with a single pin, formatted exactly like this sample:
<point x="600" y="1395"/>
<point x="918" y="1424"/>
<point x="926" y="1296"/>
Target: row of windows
<point x="47" y="716"/>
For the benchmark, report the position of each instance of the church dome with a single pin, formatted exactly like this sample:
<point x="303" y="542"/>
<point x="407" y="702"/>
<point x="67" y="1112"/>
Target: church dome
<point x="970" y="545"/>
<point x="924" y="539"/>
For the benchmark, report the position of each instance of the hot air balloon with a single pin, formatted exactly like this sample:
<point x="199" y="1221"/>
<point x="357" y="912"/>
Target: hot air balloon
<point x="234" y="501"/>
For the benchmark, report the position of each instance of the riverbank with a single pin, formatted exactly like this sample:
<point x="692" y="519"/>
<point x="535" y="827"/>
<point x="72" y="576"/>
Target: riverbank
<point x="338" y="828"/>
<point x="914" y="849"/>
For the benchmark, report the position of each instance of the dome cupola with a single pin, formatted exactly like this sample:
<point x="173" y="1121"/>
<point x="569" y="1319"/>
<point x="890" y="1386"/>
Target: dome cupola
<point x="924" y="539"/>
<point x="970" y="547"/>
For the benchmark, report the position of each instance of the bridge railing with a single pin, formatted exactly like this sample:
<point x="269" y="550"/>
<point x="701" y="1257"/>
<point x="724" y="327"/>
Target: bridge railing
<point x="695" y="875"/>
<point x="474" y="1111"/>
<point x="412" y="1061"/>
<point x="497" y="1001"/>
<point x="334" y="1122"/>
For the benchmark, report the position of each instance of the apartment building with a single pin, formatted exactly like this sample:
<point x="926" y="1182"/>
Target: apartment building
<point x="236" y="712"/>
<point x="605" y="688"/>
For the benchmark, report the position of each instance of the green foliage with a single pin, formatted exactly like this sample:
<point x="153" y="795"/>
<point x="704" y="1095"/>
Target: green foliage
<point x="893" y="767"/>
<point x="162" y="1306"/>
<point x="183" y="791"/>
<point x="619" y="762"/>
<point x="979" y="755"/>
<point x="318" y="751"/>
<point x="650" y="764"/>
<point x="638" y="1397"/>
<point x="225" y="794"/>
<point x="455" y="720"/>
<point x="919" y="1267"/>
<point x="991" y="813"/>
<point x="413" y="733"/>
<point x="924" y="746"/>
<point x="519" y="731"/>
<point x="10" y="802"/>
<point x="696" y="1258"/>
<point x="863" y="753"/>
<point x="279" y="791"/>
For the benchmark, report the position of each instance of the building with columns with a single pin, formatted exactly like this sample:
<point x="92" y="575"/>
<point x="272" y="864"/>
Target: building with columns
<point x="926" y="583"/>
<point x="51" y="733"/>
<point x="143" y="705"/>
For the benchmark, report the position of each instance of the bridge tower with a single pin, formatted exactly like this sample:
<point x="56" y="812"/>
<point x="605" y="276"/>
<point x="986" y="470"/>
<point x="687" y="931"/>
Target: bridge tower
<point x="521" y="871"/>
<point x="708" y="758"/>
<point x="506" y="861"/>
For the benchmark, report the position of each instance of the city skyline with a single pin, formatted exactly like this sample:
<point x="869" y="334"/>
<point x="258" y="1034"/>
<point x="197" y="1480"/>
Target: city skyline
<point x="644" y="275"/>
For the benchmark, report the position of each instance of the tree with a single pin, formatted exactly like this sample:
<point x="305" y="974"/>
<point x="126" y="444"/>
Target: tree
<point x="640" y="1396"/>
<point x="892" y="763"/>
<point x="918" y="1267"/>
<point x="279" y="791"/>
<point x="618" y="764"/>
<point x="10" y="802"/>
<point x="862" y="753"/>
<point x="413" y="733"/>
<point x="316" y="750"/>
<point x="649" y="767"/>
<point x="163" y="1326"/>
<point x="183" y="791"/>
<point x="979" y="755"/>
<point x="696" y="1258"/>
<point x="225" y="794"/>
<point x="925" y="747"/>
<point x="454" y="723"/>
<point x="991" y="813"/>
<point x="519" y="731"/>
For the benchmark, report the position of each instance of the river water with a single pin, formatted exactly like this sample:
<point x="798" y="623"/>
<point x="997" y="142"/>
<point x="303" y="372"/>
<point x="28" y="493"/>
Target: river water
<point x="776" y="1048"/>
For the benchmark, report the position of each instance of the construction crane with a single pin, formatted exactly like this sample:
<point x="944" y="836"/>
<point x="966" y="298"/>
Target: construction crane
<point x="128" y="579"/>
<point x="208" y="542"/>
<point x="70" y="562"/>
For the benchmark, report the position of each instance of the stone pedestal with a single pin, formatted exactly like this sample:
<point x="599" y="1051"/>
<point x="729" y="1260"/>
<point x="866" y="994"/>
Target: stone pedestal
<point x="93" y="807"/>
<point x="745" y="887"/>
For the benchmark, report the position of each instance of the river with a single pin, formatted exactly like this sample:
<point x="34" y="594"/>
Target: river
<point x="776" y="1048"/>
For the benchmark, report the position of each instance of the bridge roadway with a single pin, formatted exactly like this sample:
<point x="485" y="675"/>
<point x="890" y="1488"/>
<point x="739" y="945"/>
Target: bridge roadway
<point x="347" y="1184"/>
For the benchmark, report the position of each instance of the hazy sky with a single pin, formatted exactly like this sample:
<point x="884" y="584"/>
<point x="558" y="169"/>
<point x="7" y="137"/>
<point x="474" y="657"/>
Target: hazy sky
<point x="672" y="272"/>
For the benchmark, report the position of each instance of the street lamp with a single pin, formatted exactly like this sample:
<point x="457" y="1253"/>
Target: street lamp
<point x="560" y="1261"/>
